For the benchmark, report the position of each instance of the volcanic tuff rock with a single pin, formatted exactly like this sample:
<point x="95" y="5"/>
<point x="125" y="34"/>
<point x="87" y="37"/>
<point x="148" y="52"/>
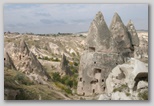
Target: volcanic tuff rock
<point x="129" y="74"/>
<point x="120" y="36"/>
<point x="104" y="51"/>
<point x="98" y="59"/>
<point x="139" y="45"/>
<point x="99" y="36"/>
<point x="30" y="65"/>
<point x="133" y="33"/>
<point x="65" y="70"/>
<point x="127" y="81"/>
<point x="8" y="61"/>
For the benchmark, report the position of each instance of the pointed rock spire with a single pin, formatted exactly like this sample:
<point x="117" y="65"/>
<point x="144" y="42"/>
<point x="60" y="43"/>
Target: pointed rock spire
<point x="30" y="65"/>
<point x="64" y="66"/>
<point x="23" y="47"/>
<point x="8" y="61"/>
<point x="98" y="35"/>
<point x="116" y="18"/>
<point x="120" y="34"/>
<point x="132" y="32"/>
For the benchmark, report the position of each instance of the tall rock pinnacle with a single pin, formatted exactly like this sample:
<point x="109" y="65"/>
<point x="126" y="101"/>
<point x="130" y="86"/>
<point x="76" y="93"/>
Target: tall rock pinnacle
<point x="99" y="35"/>
<point x="30" y="65"/>
<point x="65" y="70"/>
<point x="23" y="47"/>
<point x="120" y="34"/>
<point x="133" y="33"/>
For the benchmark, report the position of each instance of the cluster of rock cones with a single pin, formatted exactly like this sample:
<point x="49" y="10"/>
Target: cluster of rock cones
<point x="105" y="49"/>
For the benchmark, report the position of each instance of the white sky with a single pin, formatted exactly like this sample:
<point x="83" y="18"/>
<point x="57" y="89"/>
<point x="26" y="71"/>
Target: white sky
<point x="54" y="18"/>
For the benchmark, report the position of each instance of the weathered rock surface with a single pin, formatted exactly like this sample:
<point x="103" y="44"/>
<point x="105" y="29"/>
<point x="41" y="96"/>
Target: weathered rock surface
<point x="104" y="51"/>
<point x="128" y="78"/>
<point x="94" y="70"/>
<point x="122" y="41"/>
<point x="142" y="85"/>
<point x="98" y="59"/>
<point x="29" y="64"/>
<point x="141" y="52"/>
<point x="99" y="36"/>
<point x="119" y="96"/>
<point x="8" y="61"/>
<point x="104" y="97"/>
<point x="132" y="32"/>
<point x="65" y="70"/>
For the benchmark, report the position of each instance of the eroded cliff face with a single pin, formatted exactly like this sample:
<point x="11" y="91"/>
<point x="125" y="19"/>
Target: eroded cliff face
<point x="105" y="49"/>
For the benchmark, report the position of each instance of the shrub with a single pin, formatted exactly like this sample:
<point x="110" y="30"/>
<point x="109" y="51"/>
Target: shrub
<point x="127" y="94"/>
<point x="67" y="90"/>
<point x="121" y="88"/>
<point x="75" y="64"/>
<point x="56" y="77"/>
<point x="143" y="95"/>
<point x="21" y="78"/>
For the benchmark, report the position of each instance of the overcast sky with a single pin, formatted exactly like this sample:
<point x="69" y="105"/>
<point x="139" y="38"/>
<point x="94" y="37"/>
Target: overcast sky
<point x="54" y="18"/>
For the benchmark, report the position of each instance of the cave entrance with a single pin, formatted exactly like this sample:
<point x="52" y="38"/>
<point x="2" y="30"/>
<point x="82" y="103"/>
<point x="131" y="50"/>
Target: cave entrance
<point x="92" y="49"/>
<point x="80" y="79"/>
<point x="93" y="90"/>
<point x="96" y="70"/>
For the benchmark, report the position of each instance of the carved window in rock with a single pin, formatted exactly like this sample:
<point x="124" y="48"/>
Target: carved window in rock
<point x="102" y="80"/>
<point x="92" y="49"/>
<point x="4" y="58"/>
<point x="104" y="88"/>
<point x="93" y="90"/>
<point x="96" y="70"/>
<point x="80" y="79"/>
<point x="83" y="93"/>
<point x="94" y="82"/>
<point x="19" y="57"/>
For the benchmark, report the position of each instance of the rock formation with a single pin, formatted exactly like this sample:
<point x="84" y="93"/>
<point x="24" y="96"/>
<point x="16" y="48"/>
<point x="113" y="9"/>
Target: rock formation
<point x="65" y="70"/>
<point x="98" y="59"/>
<point x="104" y="50"/>
<point x="99" y="36"/>
<point x="140" y="46"/>
<point x="29" y="64"/>
<point x="132" y="32"/>
<point x="8" y="61"/>
<point x="126" y="81"/>
<point x="122" y="40"/>
<point x="129" y="73"/>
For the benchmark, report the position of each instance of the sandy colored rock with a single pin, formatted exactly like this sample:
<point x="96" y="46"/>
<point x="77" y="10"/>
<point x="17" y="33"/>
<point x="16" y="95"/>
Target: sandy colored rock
<point x="132" y="32"/>
<point x="65" y="70"/>
<point x="99" y="36"/>
<point x="8" y="61"/>
<point x="120" y="36"/>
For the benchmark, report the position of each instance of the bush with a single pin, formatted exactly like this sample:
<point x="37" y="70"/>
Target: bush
<point x="68" y="91"/>
<point x="143" y="95"/>
<point x="128" y="94"/>
<point x="21" y="78"/>
<point x="56" y="77"/>
<point x="121" y="88"/>
<point x="75" y="64"/>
